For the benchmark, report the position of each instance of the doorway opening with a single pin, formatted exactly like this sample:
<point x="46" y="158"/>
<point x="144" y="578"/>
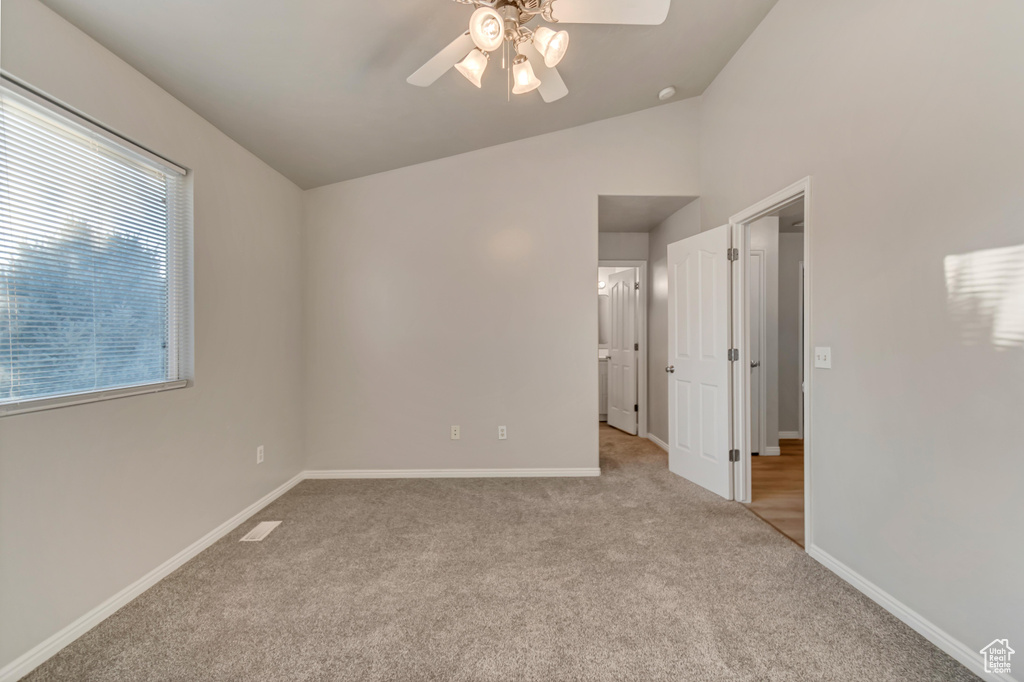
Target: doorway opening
<point x="771" y="380"/>
<point x="716" y="420"/>
<point x="775" y="320"/>
<point x="633" y="233"/>
<point x="622" y="345"/>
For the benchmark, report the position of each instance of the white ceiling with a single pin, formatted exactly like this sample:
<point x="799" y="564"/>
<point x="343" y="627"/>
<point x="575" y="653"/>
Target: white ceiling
<point x="316" y="88"/>
<point x="636" y="213"/>
<point x="791" y="217"/>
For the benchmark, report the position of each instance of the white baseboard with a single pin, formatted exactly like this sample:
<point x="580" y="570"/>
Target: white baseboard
<point x="38" y="654"/>
<point x="452" y="473"/>
<point x="943" y="640"/>
<point x="789" y="435"/>
<point x="772" y="451"/>
<point x="657" y="441"/>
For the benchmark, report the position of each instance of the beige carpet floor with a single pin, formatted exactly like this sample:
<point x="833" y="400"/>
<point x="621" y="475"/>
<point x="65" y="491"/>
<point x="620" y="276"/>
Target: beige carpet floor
<point x="636" y="575"/>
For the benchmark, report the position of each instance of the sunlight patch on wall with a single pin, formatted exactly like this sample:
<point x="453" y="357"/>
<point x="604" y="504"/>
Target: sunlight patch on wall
<point x="985" y="295"/>
<point x="510" y="245"/>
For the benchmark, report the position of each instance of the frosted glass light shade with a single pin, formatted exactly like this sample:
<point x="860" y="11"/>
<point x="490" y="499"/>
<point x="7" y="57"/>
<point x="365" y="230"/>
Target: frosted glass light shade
<point x="487" y="29"/>
<point x="525" y="79"/>
<point x="473" y="67"/>
<point x="551" y="45"/>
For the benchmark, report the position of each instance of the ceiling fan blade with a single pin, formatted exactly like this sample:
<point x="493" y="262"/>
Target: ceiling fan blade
<point x="552" y="87"/>
<point x="442" y="61"/>
<point x="648" y="12"/>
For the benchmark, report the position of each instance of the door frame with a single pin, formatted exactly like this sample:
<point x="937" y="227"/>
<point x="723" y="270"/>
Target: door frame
<point x="739" y="226"/>
<point x="803" y="324"/>
<point x="641" y="321"/>
<point x="762" y="424"/>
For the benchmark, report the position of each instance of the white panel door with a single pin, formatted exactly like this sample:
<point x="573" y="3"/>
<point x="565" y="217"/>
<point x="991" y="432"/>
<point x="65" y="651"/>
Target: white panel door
<point x="623" y="363"/>
<point x="755" y="287"/>
<point x="698" y="342"/>
<point x="602" y="390"/>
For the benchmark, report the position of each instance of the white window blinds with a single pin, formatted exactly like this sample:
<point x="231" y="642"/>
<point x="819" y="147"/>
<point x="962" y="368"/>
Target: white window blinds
<point x="95" y="260"/>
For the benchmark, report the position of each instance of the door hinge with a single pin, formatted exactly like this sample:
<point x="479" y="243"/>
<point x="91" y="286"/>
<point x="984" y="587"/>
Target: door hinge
<point x="734" y="254"/>
<point x="636" y="408"/>
<point x="636" y="285"/>
<point x="734" y="455"/>
<point x="636" y="346"/>
<point x="734" y="355"/>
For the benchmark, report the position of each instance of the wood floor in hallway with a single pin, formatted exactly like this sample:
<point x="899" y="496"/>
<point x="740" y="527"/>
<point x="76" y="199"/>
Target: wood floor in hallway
<point x="777" y="489"/>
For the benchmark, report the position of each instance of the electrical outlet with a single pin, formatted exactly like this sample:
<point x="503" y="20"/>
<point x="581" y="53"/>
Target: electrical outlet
<point x="823" y="357"/>
<point x="502" y="433"/>
<point x="259" y="455"/>
<point x="455" y="432"/>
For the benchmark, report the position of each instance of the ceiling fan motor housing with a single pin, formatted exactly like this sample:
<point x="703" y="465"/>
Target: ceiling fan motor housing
<point x="510" y="13"/>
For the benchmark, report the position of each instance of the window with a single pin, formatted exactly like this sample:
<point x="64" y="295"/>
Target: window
<point x="95" y="255"/>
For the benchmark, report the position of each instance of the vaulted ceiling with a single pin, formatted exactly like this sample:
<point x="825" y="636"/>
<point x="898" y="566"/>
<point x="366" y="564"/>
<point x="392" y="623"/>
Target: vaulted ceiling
<point x="316" y="88"/>
<point x="636" y="213"/>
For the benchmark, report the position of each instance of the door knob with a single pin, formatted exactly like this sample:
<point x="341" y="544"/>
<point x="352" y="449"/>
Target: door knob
<point x="670" y="369"/>
<point x="755" y="364"/>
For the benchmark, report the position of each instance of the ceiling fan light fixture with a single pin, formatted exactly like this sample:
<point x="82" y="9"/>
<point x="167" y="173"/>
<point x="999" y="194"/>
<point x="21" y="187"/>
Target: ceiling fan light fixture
<point x="473" y="67"/>
<point x="523" y="76"/>
<point x="551" y="44"/>
<point x="487" y="29"/>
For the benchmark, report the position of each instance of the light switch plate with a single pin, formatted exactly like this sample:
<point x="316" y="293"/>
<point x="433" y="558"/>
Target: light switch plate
<point x="455" y="432"/>
<point x="823" y="357"/>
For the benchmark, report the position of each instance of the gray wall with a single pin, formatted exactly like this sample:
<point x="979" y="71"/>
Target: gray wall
<point x="791" y="252"/>
<point x="95" y="496"/>
<point x="622" y="245"/>
<point x="433" y="303"/>
<point x="680" y="225"/>
<point x="908" y="116"/>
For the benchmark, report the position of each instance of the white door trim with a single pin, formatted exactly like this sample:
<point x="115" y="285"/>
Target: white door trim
<point x="800" y="335"/>
<point x="741" y="339"/>
<point x="641" y="374"/>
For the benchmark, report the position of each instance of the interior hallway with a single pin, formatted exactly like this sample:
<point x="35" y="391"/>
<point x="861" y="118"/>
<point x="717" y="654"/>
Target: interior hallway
<point x="777" y="489"/>
<point x="636" y="575"/>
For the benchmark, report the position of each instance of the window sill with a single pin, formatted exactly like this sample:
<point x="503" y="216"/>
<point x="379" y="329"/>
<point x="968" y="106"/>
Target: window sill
<point x="42" y="404"/>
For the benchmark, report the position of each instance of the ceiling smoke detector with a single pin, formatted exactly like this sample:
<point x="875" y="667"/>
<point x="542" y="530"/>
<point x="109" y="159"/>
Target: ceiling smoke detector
<point x="667" y="94"/>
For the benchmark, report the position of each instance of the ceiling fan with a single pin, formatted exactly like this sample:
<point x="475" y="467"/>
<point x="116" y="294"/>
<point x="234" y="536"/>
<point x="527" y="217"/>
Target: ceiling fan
<point x="531" y="51"/>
